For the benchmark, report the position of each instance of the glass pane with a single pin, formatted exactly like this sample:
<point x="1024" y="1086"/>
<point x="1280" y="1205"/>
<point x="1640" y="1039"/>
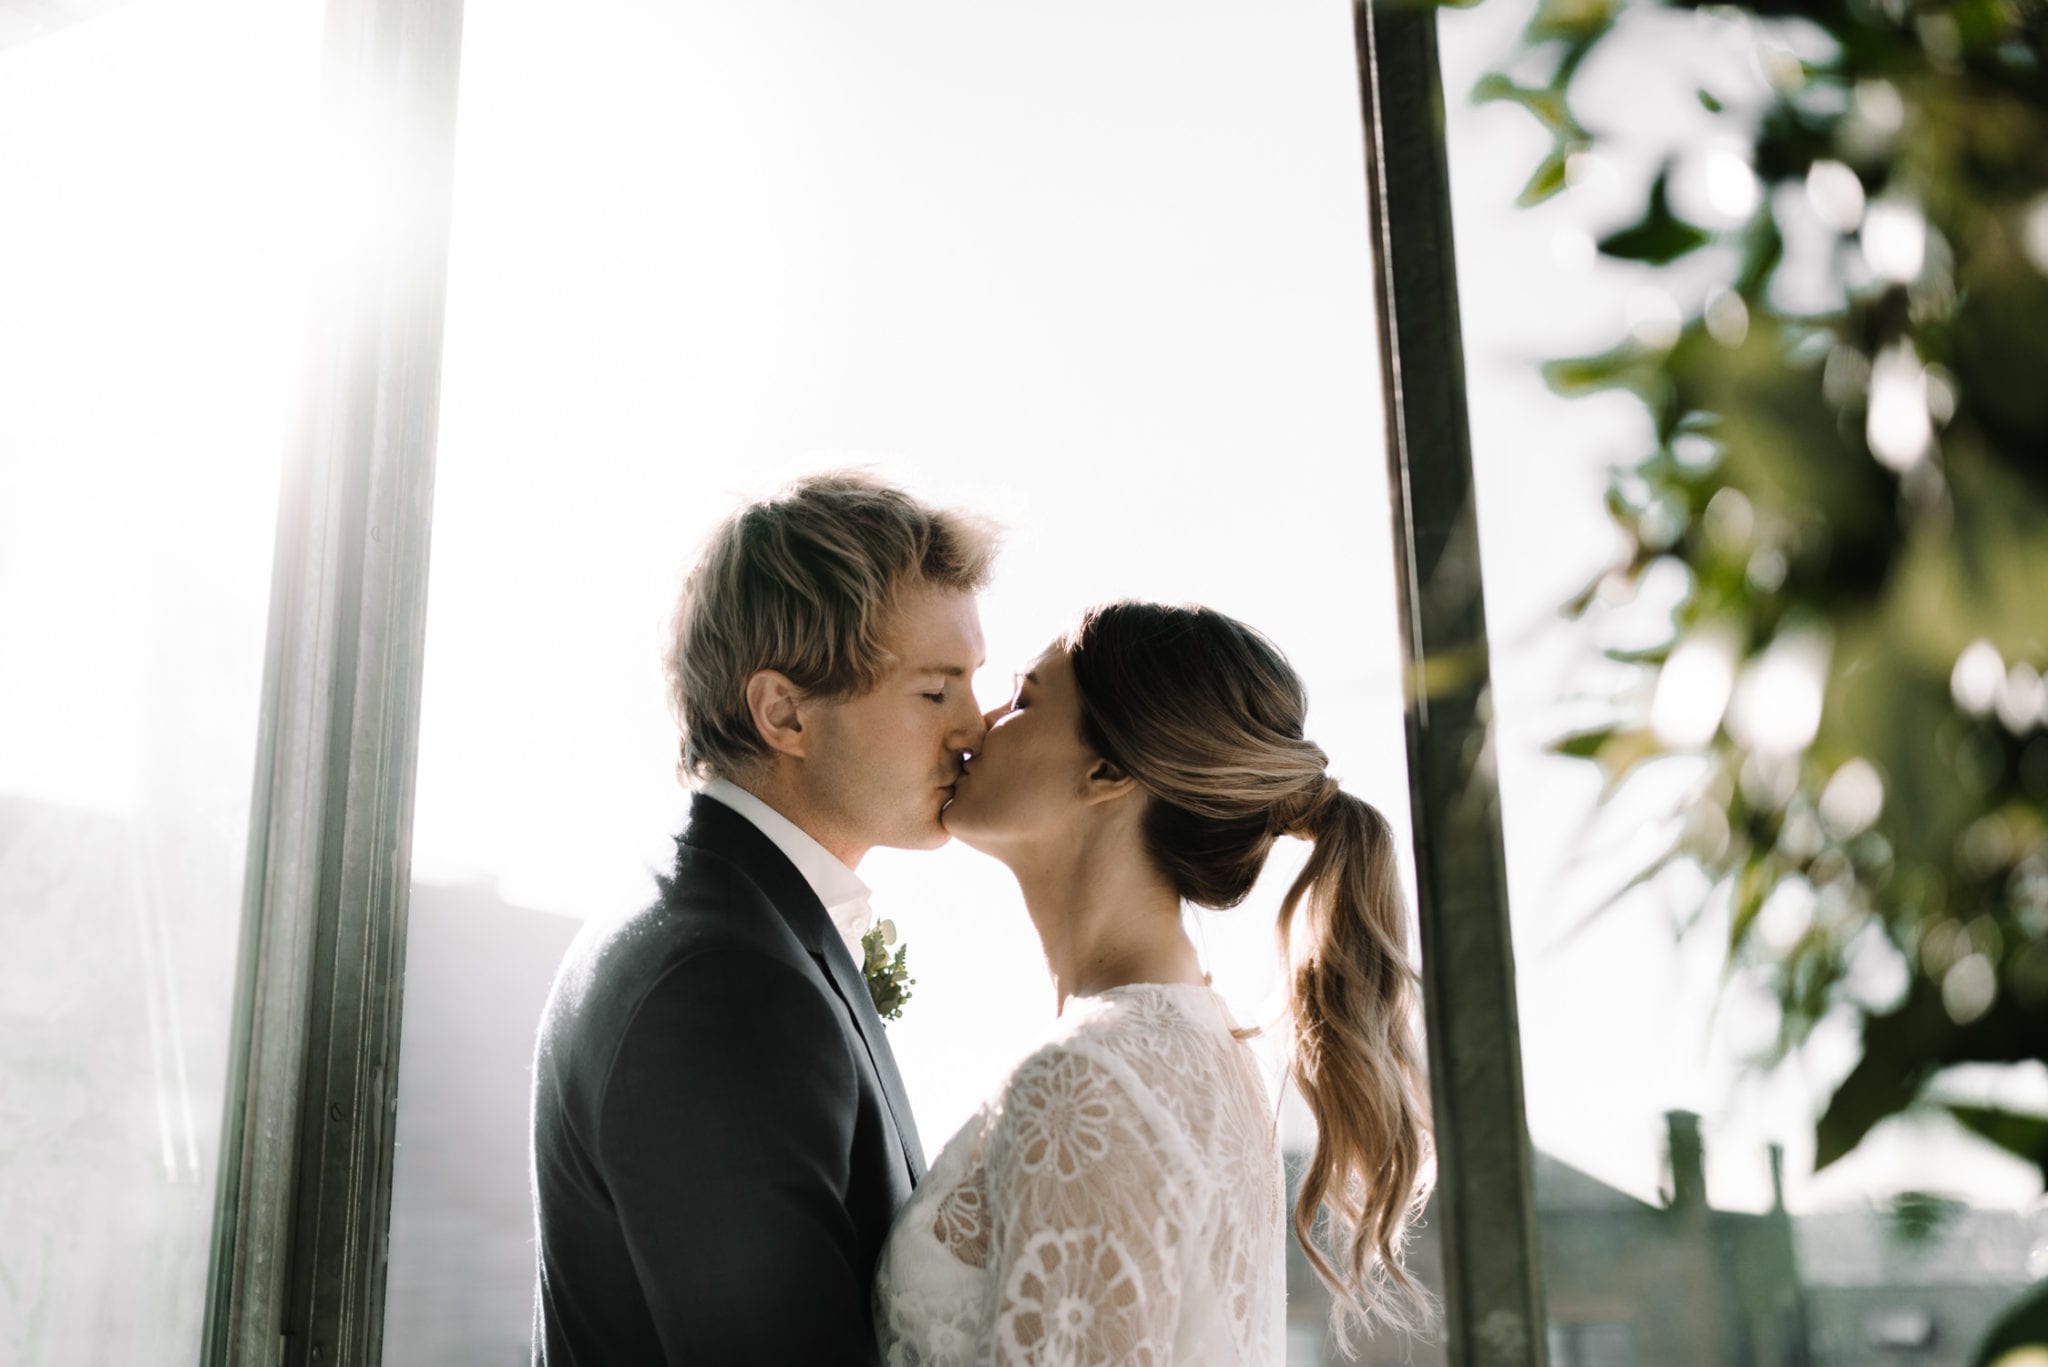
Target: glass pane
<point x="151" y="272"/>
<point x="1099" y="270"/>
<point x="1661" y="1161"/>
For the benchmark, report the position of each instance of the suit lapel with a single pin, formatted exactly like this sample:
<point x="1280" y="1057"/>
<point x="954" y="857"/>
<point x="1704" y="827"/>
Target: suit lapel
<point x="853" y="990"/>
<point x="717" y="827"/>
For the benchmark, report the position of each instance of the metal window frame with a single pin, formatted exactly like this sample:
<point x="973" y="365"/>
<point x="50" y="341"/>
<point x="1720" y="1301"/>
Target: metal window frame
<point x="1492" y="1291"/>
<point x="296" y="1273"/>
<point x="297" y="1267"/>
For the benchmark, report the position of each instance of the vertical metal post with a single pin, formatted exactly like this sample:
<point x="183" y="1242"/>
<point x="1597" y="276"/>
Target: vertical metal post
<point x="297" y="1272"/>
<point x="1493" y="1300"/>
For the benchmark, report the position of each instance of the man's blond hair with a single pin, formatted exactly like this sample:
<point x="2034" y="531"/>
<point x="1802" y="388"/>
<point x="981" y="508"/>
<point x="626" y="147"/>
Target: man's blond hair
<point x="803" y="583"/>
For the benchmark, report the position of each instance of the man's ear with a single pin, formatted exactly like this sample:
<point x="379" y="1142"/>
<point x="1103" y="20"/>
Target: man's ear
<point x="776" y="705"/>
<point x="1105" y="782"/>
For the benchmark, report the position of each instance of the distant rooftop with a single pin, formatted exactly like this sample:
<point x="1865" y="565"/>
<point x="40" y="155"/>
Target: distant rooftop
<point x="1562" y="1187"/>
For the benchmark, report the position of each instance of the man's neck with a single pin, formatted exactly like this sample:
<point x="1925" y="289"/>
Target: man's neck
<point x="777" y="790"/>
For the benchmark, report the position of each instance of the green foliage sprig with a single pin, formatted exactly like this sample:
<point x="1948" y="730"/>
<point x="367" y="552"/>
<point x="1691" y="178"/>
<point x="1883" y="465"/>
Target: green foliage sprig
<point x="1855" y="501"/>
<point x="888" y="976"/>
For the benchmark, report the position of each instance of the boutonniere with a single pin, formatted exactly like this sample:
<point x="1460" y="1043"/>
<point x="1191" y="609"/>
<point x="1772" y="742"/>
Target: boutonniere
<point x="889" y="981"/>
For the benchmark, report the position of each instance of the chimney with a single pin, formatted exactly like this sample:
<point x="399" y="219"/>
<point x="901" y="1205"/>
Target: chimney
<point x="1688" y="1162"/>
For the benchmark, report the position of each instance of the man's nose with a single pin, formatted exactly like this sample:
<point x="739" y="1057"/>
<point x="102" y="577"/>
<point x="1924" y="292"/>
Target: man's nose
<point x="970" y="736"/>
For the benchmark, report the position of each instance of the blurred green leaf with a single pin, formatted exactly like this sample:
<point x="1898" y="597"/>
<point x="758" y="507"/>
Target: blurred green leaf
<point x="1494" y="85"/>
<point x="1905" y="1047"/>
<point x="1583" y="744"/>
<point x="1572" y="20"/>
<point x="1628" y="366"/>
<point x="1548" y="180"/>
<point x="1660" y="237"/>
<point x="2023" y="1136"/>
<point x="1753" y="885"/>
<point x="1546" y="102"/>
<point x="1583" y="599"/>
<point x="1897" y="1049"/>
<point x="1763" y="248"/>
<point x="1621" y="755"/>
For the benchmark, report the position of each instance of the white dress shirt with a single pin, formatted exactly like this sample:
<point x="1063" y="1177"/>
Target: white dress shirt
<point x="838" y="887"/>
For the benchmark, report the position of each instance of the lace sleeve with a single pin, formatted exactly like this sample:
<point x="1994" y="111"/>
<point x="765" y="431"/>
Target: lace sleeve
<point x="1085" y="1225"/>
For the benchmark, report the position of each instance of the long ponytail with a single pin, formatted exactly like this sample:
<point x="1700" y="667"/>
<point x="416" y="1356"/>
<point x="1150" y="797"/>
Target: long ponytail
<point x="1358" y="1061"/>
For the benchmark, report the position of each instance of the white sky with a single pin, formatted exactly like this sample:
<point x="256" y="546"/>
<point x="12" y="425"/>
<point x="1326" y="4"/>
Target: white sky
<point x="1097" y="269"/>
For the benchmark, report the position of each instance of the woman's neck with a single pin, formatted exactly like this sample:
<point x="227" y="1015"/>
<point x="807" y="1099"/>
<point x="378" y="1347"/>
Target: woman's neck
<point x="1104" y="916"/>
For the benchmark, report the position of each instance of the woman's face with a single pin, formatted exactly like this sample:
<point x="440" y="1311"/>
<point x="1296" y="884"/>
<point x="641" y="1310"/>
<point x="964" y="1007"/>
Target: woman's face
<point x="1026" y="782"/>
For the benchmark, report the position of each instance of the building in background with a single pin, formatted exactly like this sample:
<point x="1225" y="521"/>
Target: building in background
<point x="1632" y="1284"/>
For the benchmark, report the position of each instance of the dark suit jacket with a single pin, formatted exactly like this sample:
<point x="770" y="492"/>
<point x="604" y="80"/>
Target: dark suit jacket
<point x="720" y="1135"/>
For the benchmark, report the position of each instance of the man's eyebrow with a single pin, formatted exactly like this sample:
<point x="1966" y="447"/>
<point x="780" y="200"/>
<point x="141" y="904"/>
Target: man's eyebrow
<point x="950" y="671"/>
<point x="1031" y="676"/>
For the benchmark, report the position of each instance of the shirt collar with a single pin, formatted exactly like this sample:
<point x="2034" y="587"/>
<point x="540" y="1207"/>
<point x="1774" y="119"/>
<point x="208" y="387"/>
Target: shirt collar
<point x="845" y="896"/>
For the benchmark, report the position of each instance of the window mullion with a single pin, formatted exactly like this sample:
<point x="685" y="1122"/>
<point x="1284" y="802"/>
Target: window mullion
<point x="1486" y="1211"/>
<point x="298" y="1255"/>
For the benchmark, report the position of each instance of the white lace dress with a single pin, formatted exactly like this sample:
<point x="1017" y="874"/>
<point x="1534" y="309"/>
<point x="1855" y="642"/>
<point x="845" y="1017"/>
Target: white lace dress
<point x="1118" y="1202"/>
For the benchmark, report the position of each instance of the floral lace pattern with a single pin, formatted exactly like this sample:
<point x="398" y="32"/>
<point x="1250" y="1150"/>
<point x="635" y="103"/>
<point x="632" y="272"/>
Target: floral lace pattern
<point x="1118" y="1202"/>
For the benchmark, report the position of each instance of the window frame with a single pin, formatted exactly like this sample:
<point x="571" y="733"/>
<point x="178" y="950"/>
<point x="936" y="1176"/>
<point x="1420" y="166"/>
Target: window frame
<point x="1493" y="1300"/>
<point x="296" y="1272"/>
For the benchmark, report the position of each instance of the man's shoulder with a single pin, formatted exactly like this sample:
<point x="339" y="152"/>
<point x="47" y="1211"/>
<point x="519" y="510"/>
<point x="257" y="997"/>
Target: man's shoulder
<point x="709" y="917"/>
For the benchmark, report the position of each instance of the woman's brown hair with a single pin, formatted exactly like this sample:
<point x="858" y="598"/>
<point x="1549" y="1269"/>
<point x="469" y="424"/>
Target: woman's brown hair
<point x="1207" y="715"/>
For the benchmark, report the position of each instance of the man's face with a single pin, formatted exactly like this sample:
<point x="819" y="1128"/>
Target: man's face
<point x="879" y="767"/>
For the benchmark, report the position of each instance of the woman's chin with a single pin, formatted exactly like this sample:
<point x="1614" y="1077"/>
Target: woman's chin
<point x="958" y="819"/>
